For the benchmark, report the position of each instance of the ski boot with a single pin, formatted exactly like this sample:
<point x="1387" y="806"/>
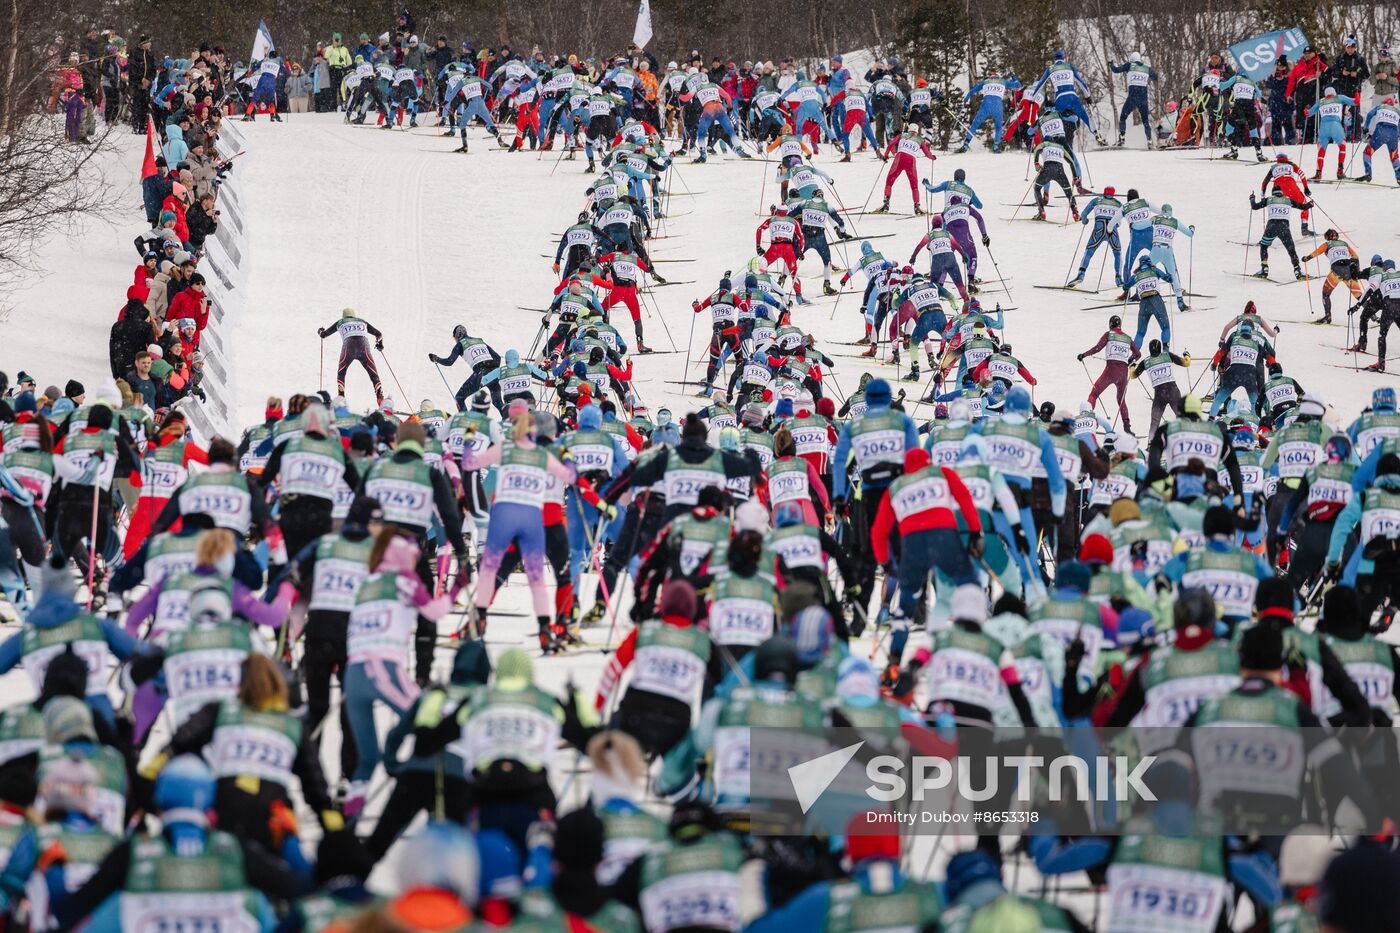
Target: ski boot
<point x="913" y="374"/>
<point x="461" y="148"/>
<point x="884" y="207"/>
<point x="1074" y="214"/>
<point x="1376" y="367"/>
<point x="659" y="279"/>
<point x="870" y="351"/>
<point x="1263" y="272"/>
<point x="698" y="160"/>
<point x="827" y="289"/>
<point x="276" y="118"/>
<point x="1325" y="319"/>
<point x="960" y="150"/>
<point x="515" y="144"/>
<point x="1317" y="176"/>
<point x="548" y="644"/>
<point x="1079" y="187"/>
<point x="594" y="616"/>
<point x="247" y="118"/>
<point x="1307" y="231"/>
<point x="1366" y="177"/>
<point x="1341" y="175"/>
<point x="1299" y="274"/>
<point x="744" y="153"/>
<point x="1077" y="281"/>
<point x="591" y="168"/>
<point x="643" y="348"/>
<point x="846" y="157"/>
<point x="1040" y="213"/>
<point x="1119" y="144"/>
<point x="800" y="300"/>
<point x="1358" y="347"/>
<point x="1259" y="155"/>
<point x="918" y="211"/>
<point x="1098" y="138"/>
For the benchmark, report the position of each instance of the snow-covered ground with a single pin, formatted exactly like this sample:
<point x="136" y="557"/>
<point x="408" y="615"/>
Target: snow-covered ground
<point x="418" y="239"/>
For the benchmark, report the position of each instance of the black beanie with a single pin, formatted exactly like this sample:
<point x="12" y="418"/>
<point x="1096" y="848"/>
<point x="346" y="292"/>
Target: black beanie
<point x="73" y="389"/>
<point x="578" y="839"/>
<point x="1341" y="613"/>
<point x="1218" y="520"/>
<point x="1261" y="647"/>
<point x="694" y="427"/>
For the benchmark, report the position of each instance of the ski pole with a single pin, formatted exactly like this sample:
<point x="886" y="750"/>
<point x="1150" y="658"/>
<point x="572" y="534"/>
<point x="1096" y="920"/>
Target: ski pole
<point x="1022" y="201"/>
<point x="688" y="341"/>
<point x="321" y="371"/>
<point x="92" y="534"/>
<point x="1248" y="236"/>
<point x="445" y="383"/>
<point x="402" y="394"/>
<point x="1082" y="228"/>
<point x="1112" y="419"/>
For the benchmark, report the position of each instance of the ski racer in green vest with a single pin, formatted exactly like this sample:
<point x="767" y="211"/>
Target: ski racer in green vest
<point x="1310" y="512"/>
<point x="508" y="732"/>
<point x="188" y="875"/>
<point x="1168" y="682"/>
<point x="257" y="743"/>
<point x="1018" y="447"/>
<point x="308" y="470"/>
<point x="1230" y="574"/>
<point x="478" y="355"/>
<point x="328" y="574"/>
<point x="875" y="442"/>
<point x="1193" y="438"/>
<point x="669" y="657"/>
<point x="1375" y="563"/>
<point x="414" y="496"/>
<point x="1266" y="791"/>
<point x="679" y="473"/>
<point x="85" y="462"/>
<point x="874" y="894"/>
<point x="221" y="497"/>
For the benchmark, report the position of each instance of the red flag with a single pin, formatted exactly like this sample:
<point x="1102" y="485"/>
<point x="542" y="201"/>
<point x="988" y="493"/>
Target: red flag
<point x="148" y="164"/>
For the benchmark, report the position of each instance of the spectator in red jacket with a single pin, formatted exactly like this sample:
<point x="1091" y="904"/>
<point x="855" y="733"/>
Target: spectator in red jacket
<point x="191" y="303"/>
<point x="176" y="202"/>
<point x="1304" y="86"/>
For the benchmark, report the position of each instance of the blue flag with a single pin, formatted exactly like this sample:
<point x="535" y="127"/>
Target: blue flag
<point x="1255" y="57"/>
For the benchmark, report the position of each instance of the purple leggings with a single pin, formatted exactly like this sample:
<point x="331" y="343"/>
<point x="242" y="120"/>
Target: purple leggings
<point x="523" y="524"/>
<point x="963" y="235"/>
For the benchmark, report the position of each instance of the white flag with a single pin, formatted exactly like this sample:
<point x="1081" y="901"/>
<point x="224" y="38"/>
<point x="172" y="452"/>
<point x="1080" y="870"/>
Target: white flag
<point x="262" y="43"/>
<point x="642" y="34"/>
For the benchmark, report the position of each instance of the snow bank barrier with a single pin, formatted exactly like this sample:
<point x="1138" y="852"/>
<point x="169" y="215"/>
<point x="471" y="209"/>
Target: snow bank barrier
<point x="224" y="279"/>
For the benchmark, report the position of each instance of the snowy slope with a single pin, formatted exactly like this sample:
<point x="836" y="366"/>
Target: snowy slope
<point x="419" y="239"/>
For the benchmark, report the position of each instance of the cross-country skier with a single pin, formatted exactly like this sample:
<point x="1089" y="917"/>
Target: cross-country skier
<point x="1330" y="129"/>
<point x="1386" y="118"/>
<point x="1165" y="227"/>
<point x="354" y="334"/>
<point x="993" y="89"/>
<point x="906" y="147"/>
<point x="1278" y="209"/>
<point x="1120" y="352"/>
<point x="1051" y="157"/>
<point x="1292" y="182"/>
<point x="265" y="91"/>
<point x="1067" y="83"/>
<point x="1166" y="394"/>
<point x="1136" y="74"/>
<point x="1343" y="267"/>
<point x="1107" y="213"/>
<point x="479" y="356"/>
<point x="1244" y="116"/>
